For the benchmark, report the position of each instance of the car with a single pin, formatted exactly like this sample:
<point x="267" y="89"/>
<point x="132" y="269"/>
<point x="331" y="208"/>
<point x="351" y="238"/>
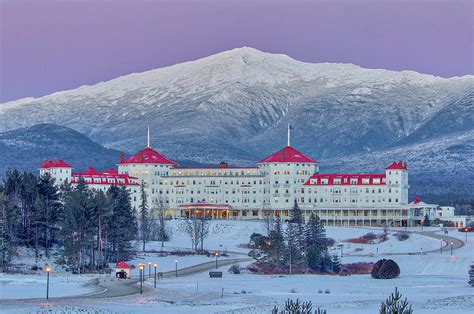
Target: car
<point x="466" y="229"/>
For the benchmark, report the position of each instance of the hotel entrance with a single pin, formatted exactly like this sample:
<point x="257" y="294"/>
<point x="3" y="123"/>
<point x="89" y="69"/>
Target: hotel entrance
<point x="208" y="211"/>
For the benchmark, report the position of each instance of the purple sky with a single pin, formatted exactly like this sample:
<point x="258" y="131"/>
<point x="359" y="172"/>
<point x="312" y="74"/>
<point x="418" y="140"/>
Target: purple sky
<point x="48" y="46"/>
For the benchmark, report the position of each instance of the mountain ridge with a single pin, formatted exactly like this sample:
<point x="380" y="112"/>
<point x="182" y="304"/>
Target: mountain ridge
<point x="236" y="106"/>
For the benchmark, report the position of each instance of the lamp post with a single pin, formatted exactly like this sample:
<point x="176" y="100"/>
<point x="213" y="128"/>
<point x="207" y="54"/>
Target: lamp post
<point x="48" y="270"/>
<point x="451" y="248"/>
<point x="441" y="249"/>
<point x="176" y="267"/>
<point x="149" y="269"/>
<point x="155" y="265"/>
<point x="217" y="255"/>
<point x="465" y="231"/>
<point x="141" y="268"/>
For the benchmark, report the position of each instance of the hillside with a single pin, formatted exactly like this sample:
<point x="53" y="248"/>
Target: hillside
<point x="25" y="149"/>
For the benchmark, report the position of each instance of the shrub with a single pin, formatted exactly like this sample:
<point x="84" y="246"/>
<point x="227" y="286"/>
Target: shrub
<point x="234" y="269"/>
<point x="402" y="236"/>
<point x="385" y="269"/>
<point x="299" y="307"/>
<point x="330" y="242"/>
<point x="356" y="269"/>
<point x="369" y="236"/>
<point x="395" y="305"/>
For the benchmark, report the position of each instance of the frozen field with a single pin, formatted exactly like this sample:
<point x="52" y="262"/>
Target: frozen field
<point x="433" y="282"/>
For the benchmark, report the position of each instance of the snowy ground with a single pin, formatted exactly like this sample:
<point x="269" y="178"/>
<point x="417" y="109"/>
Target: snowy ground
<point x="433" y="282"/>
<point x="34" y="286"/>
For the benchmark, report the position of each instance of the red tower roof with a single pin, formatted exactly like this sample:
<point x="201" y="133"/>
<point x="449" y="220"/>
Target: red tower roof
<point x="287" y="154"/>
<point x="397" y="166"/>
<point x="148" y="156"/>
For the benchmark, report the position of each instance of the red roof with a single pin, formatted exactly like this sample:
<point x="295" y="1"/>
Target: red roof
<point x="397" y="166"/>
<point x="96" y="177"/>
<point x="90" y="172"/>
<point x="54" y="164"/>
<point x="345" y="179"/>
<point x="287" y="154"/>
<point x="122" y="264"/>
<point x="110" y="171"/>
<point x="148" y="156"/>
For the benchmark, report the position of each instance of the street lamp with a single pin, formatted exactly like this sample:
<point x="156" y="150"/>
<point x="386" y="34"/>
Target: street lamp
<point x="149" y="269"/>
<point x="141" y="267"/>
<point x="451" y="248"/>
<point x="441" y="249"/>
<point x="155" y="265"/>
<point x="176" y="267"/>
<point x="465" y="231"/>
<point x="48" y="270"/>
<point x="217" y="255"/>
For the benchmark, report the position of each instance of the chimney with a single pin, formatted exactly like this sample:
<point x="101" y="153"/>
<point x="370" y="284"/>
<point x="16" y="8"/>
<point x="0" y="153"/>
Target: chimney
<point x="140" y="156"/>
<point x="44" y="162"/>
<point x="405" y="165"/>
<point x="122" y="156"/>
<point x="223" y="165"/>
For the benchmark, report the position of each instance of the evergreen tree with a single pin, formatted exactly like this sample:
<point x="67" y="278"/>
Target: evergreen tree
<point x="336" y="264"/>
<point x="293" y="255"/>
<point x="297" y="219"/>
<point x="395" y="305"/>
<point x="12" y="206"/>
<point x="276" y="245"/>
<point x="316" y="247"/>
<point x="75" y="225"/>
<point x="6" y="245"/>
<point x="49" y="210"/>
<point x="29" y="196"/>
<point x="102" y="214"/>
<point x="145" y="220"/>
<point x="123" y="224"/>
<point x="325" y="264"/>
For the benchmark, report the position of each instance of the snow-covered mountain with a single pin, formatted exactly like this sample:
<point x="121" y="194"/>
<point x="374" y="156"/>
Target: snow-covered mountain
<point x="236" y="105"/>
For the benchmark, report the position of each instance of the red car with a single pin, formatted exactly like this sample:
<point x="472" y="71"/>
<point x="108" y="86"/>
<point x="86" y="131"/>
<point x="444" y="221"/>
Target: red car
<point x="466" y="229"/>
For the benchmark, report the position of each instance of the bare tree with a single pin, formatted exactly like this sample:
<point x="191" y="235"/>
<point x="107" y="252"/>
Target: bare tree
<point x="161" y="231"/>
<point x="268" y="220"/>
<point x="197" y="228"/>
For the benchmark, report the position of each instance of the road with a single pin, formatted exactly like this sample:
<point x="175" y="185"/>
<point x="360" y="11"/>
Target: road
<point x="446" y="239"/>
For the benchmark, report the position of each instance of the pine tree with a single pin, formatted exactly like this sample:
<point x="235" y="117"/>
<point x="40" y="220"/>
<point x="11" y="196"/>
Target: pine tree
<point x="145" y="220"/>
<point x="395" y="305"/>
<point x="49" y="210"/>
<point x="102" y="214"/>
<point x="75" y="225"/>
<point x="6" y="246"/>
<point x="293" y="255"/>
<point x="123" y="224"/>
<point x="336" y="264"/>
<point x="297" y="218"/>
<point x="276" y="245"/>
<point x="316" y="247"/>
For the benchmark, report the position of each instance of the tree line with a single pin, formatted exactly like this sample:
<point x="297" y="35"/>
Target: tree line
<point x="299" y="248"/>
<point x="86" y="229"/>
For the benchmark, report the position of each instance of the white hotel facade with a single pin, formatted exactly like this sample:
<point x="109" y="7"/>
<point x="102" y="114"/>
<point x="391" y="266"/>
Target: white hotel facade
<point x="267" y="189"/>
